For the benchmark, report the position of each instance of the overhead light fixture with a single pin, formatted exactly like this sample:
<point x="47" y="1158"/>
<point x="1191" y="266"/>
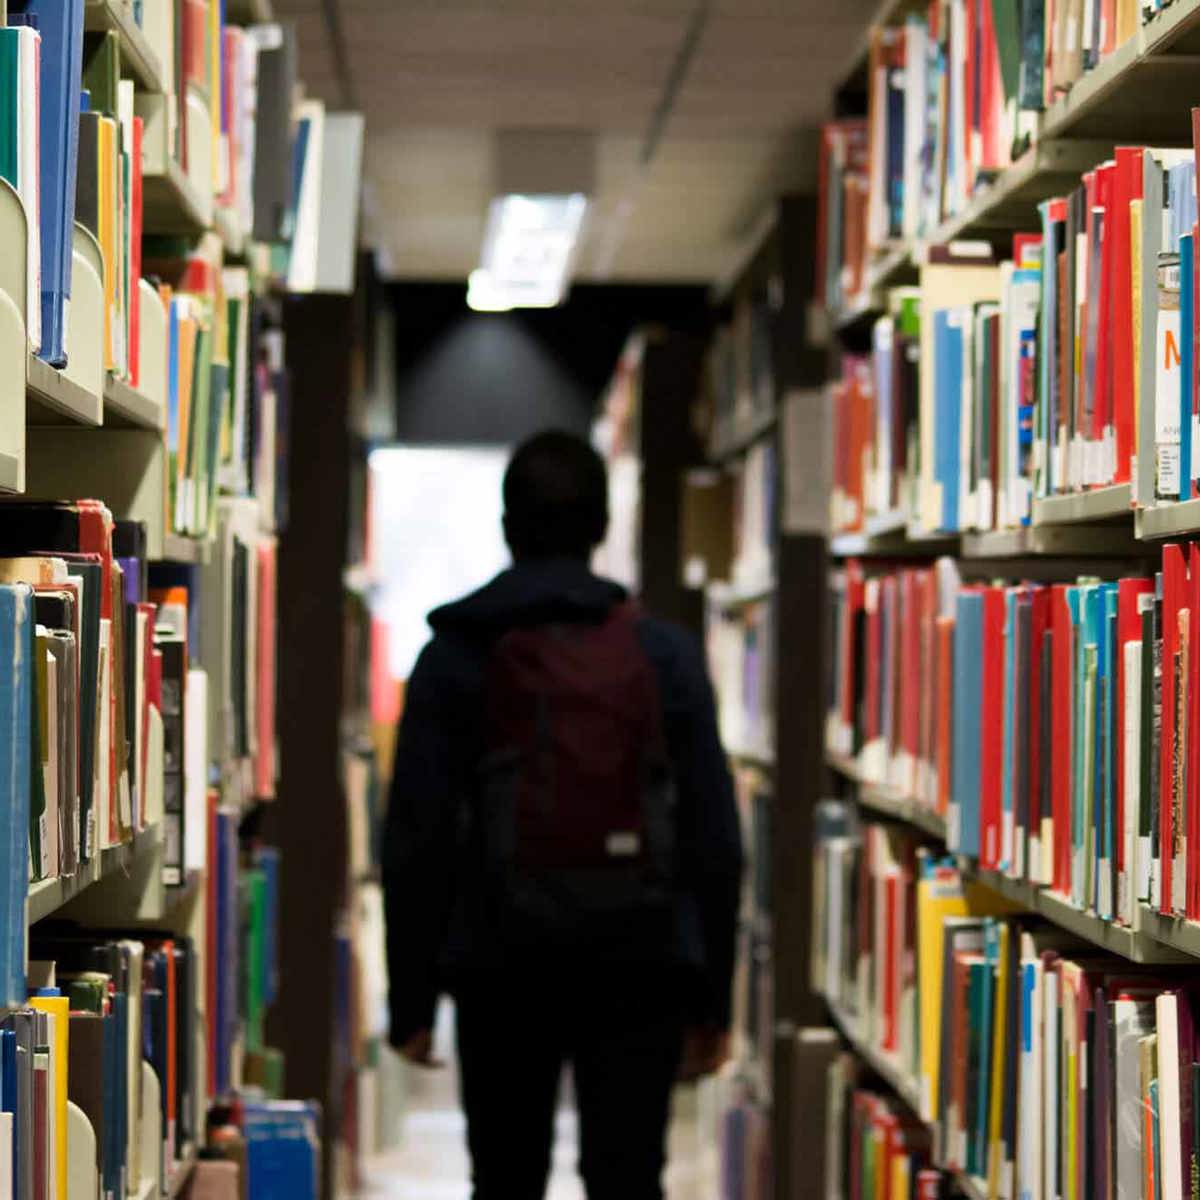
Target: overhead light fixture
<point x="528" y="246"/>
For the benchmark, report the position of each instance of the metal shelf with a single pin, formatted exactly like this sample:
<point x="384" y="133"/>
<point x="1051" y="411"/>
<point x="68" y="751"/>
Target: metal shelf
<point x="1047" y="168"/>
<point x="1099" y="504"/>
<point x="189" y="550"/>
<point x="53" y="399"/>
<point x="1177" y="932"/>
<point x="1169" y="520"/>
<point x="890" y="533"/>
<point x="47" y="896"/>
<point x="126" y="407"/>
<point x="170" y="203"/>
<point x="739" y="595"/>
<point x="136" y="52"/>
<point x="1054" y="541"/>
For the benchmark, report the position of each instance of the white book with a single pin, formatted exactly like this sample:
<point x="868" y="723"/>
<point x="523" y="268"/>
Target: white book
<point x="6" y="1156"/>
<point x="102" y="790"/>
<point x="195" y="787"/>
<point x="915" y="103"/>
<point x="1029" y="1139"/>
<point x="1128" y="880"/>
<point x="1169" y="1110"/>
<point x="1050" y="1102"/>
<point x="1132" y="1020"/>
<point x="50" y="829"/>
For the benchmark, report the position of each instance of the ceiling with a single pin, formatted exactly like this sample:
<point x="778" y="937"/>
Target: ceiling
<point x="437" y="77"/>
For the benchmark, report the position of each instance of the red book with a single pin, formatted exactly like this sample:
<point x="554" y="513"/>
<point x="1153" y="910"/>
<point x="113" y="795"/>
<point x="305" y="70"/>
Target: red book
<point x="1061" y="691"/>
<point x="1126" y="188"/>
<point x="1102" y="428"/>
<point x="1193" y="758"/>
<point x="1022" y="245"/>
<point x="910" y="664"/>
<point x="1039" y="626"/>
<point x="991" y="92"/>
<point x="1175" y="589"/>
<point x="991" y="766"/>
<point x="929" y="1184"/>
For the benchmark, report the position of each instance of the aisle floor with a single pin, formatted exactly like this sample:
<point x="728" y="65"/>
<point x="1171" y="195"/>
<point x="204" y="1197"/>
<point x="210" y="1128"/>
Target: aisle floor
<point x="431" y="1162"/>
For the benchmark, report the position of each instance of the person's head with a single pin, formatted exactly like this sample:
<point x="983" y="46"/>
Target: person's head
<point x="555" y="498"/>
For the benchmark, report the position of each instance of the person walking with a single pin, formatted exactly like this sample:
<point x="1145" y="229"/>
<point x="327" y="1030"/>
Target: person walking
<point x="562" y="852"/>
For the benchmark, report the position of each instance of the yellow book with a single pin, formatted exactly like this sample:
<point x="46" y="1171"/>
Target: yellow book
<point x="108" y="231"/>
<point x="940" y="896"/>
<point x="58" y="1008"/>
<point x="999" y="1045"/>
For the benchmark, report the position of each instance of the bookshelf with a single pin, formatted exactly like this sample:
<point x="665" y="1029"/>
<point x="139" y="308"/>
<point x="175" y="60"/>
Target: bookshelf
<point x="1039" y="520"/>
<point x="150" y="760"/>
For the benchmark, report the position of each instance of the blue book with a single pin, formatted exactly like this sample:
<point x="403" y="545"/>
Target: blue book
<point x="267" y="860"/>
<point x="282" y="1149"/>
<point x="60" y="23"/>
<point x="947" y="410"/>
<point x="16" y="713"/>
<point x="8" y="1085"/>
<point x="1187" y="350"/>
<point x="967" y="731"/>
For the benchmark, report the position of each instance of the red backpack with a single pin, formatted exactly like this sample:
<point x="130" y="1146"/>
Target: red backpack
<point x="578" y="795"/>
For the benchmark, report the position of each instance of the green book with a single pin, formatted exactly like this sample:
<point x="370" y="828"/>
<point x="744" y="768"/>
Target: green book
<point x="102" y="71"/>
<point x="10" y="104"/>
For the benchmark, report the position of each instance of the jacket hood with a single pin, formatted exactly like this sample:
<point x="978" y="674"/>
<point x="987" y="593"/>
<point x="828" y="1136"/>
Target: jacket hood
<point x="531" y="594"/>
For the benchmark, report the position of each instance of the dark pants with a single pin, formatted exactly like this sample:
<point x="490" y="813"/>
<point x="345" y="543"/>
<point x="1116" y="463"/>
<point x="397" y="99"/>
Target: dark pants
<point x="622" y="1036"/>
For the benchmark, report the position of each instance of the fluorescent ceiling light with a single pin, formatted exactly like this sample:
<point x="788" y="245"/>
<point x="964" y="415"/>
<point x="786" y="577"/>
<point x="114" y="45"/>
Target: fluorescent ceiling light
<point x="528" y="246"/>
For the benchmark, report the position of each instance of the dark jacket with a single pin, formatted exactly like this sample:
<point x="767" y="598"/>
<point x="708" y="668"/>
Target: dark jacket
<point x="438" y="931"/>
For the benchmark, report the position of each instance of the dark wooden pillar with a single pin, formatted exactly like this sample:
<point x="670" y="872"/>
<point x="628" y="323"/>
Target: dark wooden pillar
<point x="308" y="820"/>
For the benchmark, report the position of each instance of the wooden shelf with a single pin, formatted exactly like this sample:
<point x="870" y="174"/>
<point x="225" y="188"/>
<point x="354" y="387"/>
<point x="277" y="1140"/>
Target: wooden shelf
<point x="136" y="53"/>
<point x="53" y="399"/>
<point x="126" y="407"/>
<point x="188" y="550"/>
<point x="47" y="896"/>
